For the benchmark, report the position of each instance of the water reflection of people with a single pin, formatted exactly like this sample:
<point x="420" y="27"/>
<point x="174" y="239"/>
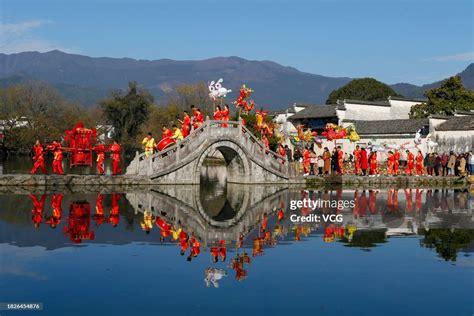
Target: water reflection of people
<point x="195" y="247"/>
<point x="183" y="242"/>
<point x="38" y="209"/>
<point x="147" y="223"/>
<point x="114" y="212"/>
<point x="165" y="228"/>
<point x="238" y="265"/>
<point x="99" y="216"/>
<point x="56" y="214"/>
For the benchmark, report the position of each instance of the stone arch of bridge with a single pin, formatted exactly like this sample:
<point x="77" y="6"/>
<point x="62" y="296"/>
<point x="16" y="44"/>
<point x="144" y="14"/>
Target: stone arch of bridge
<point x="238" y="165"/>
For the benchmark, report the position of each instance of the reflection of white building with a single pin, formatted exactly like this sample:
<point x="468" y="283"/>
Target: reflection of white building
<point x="384" y="122"/>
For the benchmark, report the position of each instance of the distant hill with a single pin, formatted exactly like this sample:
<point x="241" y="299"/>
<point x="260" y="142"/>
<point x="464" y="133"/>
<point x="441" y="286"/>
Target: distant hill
<point x="86" y="79"/>
<point x="413" y="91"/>
<point x="82" y="78"/>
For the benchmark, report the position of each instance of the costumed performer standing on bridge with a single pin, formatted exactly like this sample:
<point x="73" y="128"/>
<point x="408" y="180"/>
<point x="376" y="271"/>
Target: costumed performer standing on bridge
<point x="177" y="133"/>
<point x="225" y="113"/>
<point x="150" y="144"/>
<point x="198" y="118"/>
<point x="185" y="124"/>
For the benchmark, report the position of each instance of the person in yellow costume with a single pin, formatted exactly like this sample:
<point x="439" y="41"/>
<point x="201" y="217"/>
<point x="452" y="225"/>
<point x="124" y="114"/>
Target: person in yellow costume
<point x="175" y="232"/>
<point x="147" y="223"/>
<point x="149" y="143"/>
<point x="350" y="230"/>
<point x="177" y="135"/>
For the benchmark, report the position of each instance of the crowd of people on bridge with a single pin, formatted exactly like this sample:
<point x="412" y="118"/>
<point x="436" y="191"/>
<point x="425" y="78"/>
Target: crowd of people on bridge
<point x="188" y="123"/>
<point x="363" y="162"/>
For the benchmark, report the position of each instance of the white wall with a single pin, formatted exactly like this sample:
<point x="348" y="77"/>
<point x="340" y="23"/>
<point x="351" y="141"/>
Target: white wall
<point x="457" y="141"/>
<point x="363" y="112"/>
<point x="400" y="108"/>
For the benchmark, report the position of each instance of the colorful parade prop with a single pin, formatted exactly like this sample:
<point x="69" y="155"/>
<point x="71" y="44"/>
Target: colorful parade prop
<point x="78" y="225"/>
<point x="241" y="101"/>
<point x="80" y="141"/>
<point x="165" y="143"/>
<point x="333" y="132"/>
<point x="217" y="91"/>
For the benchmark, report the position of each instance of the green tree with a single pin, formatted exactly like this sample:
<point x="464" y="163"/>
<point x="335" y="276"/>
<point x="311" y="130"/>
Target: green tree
<point x="127" y="112"/>
<point x="365" y="89"/>
<point x="451" y="96"/>
<point x="35" y="110"/>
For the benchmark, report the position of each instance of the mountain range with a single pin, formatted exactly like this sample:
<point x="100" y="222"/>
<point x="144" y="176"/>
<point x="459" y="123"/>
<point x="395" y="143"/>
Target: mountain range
<point x="86" y="79"/>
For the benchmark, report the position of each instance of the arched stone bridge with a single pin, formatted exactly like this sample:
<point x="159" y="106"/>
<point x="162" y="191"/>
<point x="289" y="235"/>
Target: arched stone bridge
<point x="246" y="158"/>
<point x="183" y="205"/>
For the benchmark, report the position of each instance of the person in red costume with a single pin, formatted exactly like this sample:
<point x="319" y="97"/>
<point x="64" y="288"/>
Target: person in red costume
<point x="198" y="118"/>
<point x="114" y="212"/>
<point x="115" y="149"/>
<point x="55" y="217"/>
<point x="390" y="163"/>
<point x="100" y="150"/>
<point x="372" y="201"/>
<point x="225" y="115"/>
<point x="280" y="215"/>
<point x="418" y="199"/>
<point x="195" y="247"/>
<point x="357" y="160"/>
<point x="166" y="132"/>
<point x="364" y="165"/>
<point x="410" y="163"/>
<point x="222" y="250"/>
<point x="373" y="163"/>
<point x="340" y="159"/>
<point x="363" y="204"/>
<point x="58" y="157"/>
<point x="266" y="143"/>
<point x="419" y="164"/>
<point x="409" y="200"/>
<point x="396" y="162"/>
<point x="264" y="225"/>
<point x="214" y="253"/>
<point x="185" y="125"/>
<point x="165" y="228"/>
<point x="282" y="152"/>
<point x="183" y="242"/>
<point x="356" y="209"/>
<point x="38" y="209"/>
<point x="99" y="210"/>
<point x="306" y="161"/>
<point x="217" y="113"/>
<point x="38" y="158"/>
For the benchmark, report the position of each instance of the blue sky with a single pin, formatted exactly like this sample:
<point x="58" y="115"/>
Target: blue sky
<point x="394" y="41"/>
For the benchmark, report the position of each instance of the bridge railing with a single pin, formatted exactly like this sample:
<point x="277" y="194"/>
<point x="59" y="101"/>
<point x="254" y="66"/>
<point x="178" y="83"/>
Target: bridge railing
<point x="172" y="153"/>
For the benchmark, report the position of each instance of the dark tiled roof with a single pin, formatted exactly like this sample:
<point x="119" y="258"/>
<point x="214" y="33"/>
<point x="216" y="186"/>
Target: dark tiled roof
<point x="457" y="123"/>
<point x="408" y="99"/>
<point x="376" y="103"/>
<point x="465" y="112"/>
<point x="315" y="111"/>
<point x="439" y="117"/>
<point x="276" y="112"/>
<point x="389" y="126"/>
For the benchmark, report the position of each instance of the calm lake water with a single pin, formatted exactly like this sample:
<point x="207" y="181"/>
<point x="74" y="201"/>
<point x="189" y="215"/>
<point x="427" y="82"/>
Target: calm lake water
<point x="396" y="252"/>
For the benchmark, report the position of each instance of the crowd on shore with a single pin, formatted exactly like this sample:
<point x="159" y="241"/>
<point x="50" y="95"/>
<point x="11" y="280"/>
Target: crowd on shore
<point x="364" y="162"/>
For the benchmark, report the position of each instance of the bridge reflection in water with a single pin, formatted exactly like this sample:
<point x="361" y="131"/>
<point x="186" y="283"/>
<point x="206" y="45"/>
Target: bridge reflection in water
<point x="236" y="223"/>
